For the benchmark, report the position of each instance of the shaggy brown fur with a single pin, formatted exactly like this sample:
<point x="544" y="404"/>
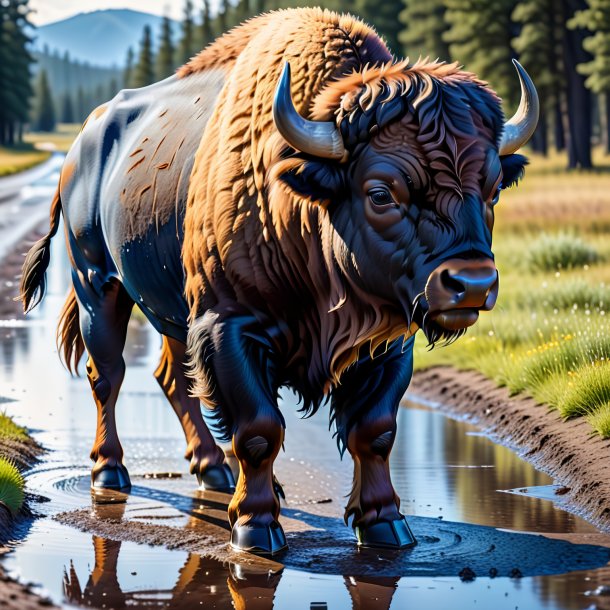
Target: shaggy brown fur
<point x="251" y="239"/>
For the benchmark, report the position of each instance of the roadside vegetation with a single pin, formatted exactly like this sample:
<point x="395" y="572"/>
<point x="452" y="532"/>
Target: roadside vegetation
<point x="19" y="158"/>
<point x="60" y="139"/>
<point x="549" y="334"/>
<point x="11" y="479"/>
<point x="36" y="147"/>
<point x="11" y="486"/>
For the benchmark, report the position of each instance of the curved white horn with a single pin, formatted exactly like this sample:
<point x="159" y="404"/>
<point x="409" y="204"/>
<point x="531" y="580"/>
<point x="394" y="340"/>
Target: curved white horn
<point x="317" y="138"/>
<point x="520" y="128"/>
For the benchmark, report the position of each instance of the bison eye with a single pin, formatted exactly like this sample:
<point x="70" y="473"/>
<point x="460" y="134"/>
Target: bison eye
<point x="381" y="196"/>
<point x="496" y="197"/>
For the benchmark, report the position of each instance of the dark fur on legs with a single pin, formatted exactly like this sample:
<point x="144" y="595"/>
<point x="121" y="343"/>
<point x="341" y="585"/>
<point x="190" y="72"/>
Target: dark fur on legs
<point x="239" y="374"/>
<point x="365" y="406"/>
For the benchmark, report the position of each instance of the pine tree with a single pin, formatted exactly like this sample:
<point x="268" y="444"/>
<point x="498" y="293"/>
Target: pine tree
<point x="385" y="17"/>
<point x="242" y="11"/>
<point x="424" y="27"/>
<point x="580" y="119"/>
<point x="82" y="110"/>
<point x="67" y="109"/>
<point x="596" y="19"/>
<point x="165" y="56"/>
<point x="222" y="18"/>
<point x="479" y="36"/>
<point x="187" y="43"/>
<point x="15" y="61"/>
<point x="113" y="89"/>
<point x="128" y="71"/>
<point x="144" y="72"/>
<point x="540" y="53"/>
<point x="206" y="32"/>
<point x="44" y="111"/>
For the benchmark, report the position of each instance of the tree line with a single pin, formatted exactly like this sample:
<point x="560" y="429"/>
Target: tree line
<point x="564" y="44"/>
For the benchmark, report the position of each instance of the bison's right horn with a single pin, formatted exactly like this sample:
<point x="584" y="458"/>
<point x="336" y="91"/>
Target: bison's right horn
<point x="317" y="138"/>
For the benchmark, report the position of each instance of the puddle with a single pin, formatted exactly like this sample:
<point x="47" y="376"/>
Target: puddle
<point x="447" y="474"/>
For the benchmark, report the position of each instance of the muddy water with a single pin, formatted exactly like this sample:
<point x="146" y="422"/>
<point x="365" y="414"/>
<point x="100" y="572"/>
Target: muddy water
<point x="471" y="503"/>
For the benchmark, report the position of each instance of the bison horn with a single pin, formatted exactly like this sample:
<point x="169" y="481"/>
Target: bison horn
<point x="317" y="138"/>
<point x="520" y="128"/>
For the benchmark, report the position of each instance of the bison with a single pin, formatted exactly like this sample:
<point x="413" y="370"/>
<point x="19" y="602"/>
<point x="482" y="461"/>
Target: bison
<point x="288" y="209"/>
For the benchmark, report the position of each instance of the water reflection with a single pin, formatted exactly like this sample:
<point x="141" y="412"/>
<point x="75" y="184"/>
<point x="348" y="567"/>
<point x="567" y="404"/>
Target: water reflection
<point x="203" y="582"/>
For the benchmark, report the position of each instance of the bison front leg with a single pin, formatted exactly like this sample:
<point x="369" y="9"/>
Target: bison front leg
<point x="234" y="368"/>
<point x="365" y="407"/>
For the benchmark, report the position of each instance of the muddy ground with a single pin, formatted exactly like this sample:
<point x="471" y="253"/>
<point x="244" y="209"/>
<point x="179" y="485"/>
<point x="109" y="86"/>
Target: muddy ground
<point x="567" y="451"/>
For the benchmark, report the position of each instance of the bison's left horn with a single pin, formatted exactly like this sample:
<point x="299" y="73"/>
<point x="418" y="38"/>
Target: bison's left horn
<point x="317" y="138"/>
<point x="520" y="128"/>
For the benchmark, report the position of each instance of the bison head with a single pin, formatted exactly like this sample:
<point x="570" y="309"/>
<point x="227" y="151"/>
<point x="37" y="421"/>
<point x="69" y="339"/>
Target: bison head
<point x="409" y="165"/>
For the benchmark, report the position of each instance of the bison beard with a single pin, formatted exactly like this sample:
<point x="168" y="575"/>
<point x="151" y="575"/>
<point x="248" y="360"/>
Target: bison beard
<point x="292" y="274"/>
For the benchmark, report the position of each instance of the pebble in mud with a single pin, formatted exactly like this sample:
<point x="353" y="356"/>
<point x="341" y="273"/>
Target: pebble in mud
<point x="467" y="574"/>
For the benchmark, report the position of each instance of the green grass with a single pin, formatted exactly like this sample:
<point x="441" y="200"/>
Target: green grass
<point x="11" y="486"/>
<point x="61" y="139"/>
<point x="10" y="430"/>
<point x="19" y="158"/>
<point x="560" y="251"/>
<point x="549" y="334"/>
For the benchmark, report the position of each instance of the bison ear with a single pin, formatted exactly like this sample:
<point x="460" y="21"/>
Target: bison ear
<point x="314" y="179"/>
<point x="513" y="169"/>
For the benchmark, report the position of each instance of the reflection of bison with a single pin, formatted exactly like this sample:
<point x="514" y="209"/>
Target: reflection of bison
<point x="277" y="250"/>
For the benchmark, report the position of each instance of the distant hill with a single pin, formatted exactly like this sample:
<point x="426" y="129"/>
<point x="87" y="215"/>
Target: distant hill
<point x="100" y="38"/>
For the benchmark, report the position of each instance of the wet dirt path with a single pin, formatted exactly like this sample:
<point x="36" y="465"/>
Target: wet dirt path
<point x="453" y="483"/>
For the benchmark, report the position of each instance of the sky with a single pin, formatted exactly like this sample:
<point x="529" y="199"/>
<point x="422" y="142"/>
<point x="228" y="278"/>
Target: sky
<point x="48" y="11"/>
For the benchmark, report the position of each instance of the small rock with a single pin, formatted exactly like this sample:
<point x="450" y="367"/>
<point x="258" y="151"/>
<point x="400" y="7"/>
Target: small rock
<point x="562" y="490"/>
<point x="493" y="572"/>
<point x="515" y="573"/>
<point x="467" y="574"/>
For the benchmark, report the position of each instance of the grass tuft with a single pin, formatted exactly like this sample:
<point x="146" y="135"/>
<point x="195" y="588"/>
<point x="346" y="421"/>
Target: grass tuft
<point x="10" y="430"/>
<point x="600" y="420"/>
<point x="11" y="486"/>
<point x="560" y="251"/>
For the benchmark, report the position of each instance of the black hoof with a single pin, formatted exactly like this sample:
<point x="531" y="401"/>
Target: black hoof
<point x="217" y="478"/>
<point x="386" y="534"/>
<point x="115" y="478"/>
<point x="259" y="539"/>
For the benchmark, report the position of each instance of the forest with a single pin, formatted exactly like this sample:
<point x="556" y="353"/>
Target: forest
<point x="564" y="44"/>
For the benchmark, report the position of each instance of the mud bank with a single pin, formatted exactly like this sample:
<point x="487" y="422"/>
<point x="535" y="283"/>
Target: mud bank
<point x="567" y="451"/>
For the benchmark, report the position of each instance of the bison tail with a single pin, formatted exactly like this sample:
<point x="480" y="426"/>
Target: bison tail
<point x="33" y="274"/>
<point x="70" y="343"/>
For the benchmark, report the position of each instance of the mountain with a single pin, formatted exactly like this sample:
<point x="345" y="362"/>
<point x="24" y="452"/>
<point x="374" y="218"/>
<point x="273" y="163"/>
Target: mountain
<point x="100" y="38"/>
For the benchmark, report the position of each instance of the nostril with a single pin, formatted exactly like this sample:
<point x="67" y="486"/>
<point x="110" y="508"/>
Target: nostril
<point x="452" y="284"/>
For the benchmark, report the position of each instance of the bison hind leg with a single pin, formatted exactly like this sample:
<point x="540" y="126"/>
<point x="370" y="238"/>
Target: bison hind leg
<point x="103" y="319"/>
<point x="206" y="458"/>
